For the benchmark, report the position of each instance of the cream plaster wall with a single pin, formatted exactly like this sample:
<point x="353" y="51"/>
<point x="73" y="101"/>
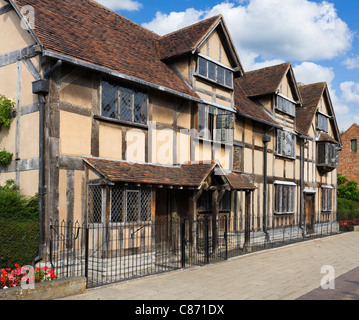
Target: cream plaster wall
<point x="75" y="134"/>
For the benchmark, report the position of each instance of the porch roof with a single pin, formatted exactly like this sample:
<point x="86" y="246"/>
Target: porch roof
<point x="190" y="175"/>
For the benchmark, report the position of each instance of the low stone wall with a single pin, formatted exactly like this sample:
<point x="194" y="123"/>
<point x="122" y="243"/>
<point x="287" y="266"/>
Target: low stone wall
<point x="46" y="290"/>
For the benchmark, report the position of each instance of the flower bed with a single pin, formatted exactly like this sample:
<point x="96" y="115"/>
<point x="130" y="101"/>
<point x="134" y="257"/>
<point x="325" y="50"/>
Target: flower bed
<point x="348" y="224"/>
<point x="24" y="276"/>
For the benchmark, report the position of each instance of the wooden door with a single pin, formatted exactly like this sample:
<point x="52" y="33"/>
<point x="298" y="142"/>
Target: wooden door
<point x="309" y="212"/>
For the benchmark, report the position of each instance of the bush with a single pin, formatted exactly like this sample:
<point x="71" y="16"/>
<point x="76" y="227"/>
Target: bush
<point x="6" y="109"/>
<point x="19" y="242"/>
<point x="15" y="206"/>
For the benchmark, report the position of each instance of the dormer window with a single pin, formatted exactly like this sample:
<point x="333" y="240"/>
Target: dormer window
<point x="215" y="72"/>
<point x="322" y="122"/>
<point x="285" y="105"/>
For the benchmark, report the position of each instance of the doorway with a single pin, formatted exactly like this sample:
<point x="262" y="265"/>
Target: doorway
<point x="309" y="200"/>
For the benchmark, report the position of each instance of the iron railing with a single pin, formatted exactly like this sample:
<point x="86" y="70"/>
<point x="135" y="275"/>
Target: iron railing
<point x="113" y="252"/>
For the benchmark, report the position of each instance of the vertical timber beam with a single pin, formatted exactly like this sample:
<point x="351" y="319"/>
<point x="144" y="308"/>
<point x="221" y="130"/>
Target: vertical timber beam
<point x="247" y="231"/>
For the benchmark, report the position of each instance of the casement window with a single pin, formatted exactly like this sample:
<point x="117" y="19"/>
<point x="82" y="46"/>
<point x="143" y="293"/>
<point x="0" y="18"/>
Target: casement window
<point x="284" y="197"/>
<point x="215" y="124"/>
<point x="327" y="199"/>
<point x="131" y="204"/>
<point x="214" y="72"/>
<point x="322" y="122"/>
<point x="327" y="154"/>
<point x="123" y="103"/>
<point x="126" y="204"/>
<point x="285" y="105"/>
<point x="353" y="145"/>
<point x="285" y="144"/>
<point x="95" y="204"/>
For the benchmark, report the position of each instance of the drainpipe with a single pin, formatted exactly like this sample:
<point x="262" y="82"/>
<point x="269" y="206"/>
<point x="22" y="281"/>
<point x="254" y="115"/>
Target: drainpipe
<point x="41" y="88"/>
<point x="266" y="139"/>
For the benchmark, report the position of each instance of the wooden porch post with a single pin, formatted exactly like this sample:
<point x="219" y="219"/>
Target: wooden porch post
<point x="247" y="231"/>
<point x="215" y="213"/>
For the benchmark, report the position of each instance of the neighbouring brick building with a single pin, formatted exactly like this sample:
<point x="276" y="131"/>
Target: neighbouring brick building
<point x="348" y="156"/>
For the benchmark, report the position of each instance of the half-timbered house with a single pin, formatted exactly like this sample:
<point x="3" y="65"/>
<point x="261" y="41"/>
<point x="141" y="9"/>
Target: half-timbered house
<point x="115" y="124"/>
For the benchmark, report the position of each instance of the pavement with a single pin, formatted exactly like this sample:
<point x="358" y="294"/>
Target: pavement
<point x="320" y="269"/>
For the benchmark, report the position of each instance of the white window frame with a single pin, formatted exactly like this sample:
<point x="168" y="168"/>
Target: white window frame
<point x="287" y="189"/>
<point x="288" y="107"/>
<point x="228" y="72"/>
<point x="321" y="124"/>
<point x="327" y="199"/>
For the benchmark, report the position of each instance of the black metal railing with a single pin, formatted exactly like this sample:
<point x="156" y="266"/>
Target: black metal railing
<point x="107" y="253"/>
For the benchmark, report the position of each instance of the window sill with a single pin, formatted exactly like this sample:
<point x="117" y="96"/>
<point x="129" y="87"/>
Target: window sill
<point x="121" y="122"/>
<point x="285" y="113"/>
<point x="283" y="213"/>
<point x="203" y="140"/>
<point x="285" y="157"/>
<point x="214" y="82"/>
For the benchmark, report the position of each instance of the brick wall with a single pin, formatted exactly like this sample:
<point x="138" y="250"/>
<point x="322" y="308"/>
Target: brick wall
<point x="349" y="161"/>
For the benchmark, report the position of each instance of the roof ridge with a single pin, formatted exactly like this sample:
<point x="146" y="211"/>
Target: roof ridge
<point x="269" y="67"/>
<point x="218" y="16"/>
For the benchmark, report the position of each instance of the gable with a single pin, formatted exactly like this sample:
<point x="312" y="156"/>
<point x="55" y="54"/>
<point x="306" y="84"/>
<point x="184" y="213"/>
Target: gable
<point x="214" y="48"/>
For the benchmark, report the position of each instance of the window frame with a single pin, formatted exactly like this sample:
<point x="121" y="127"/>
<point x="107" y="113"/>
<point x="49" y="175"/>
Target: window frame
<point x="228" y="78"/>
<point x="327" y="199"/>
<point x="289" y="102"/>
<point x="119" y="108"/>
<point x="208" y="118"/>
<point x="141" y="192"/>
<point x="320" y="125"/>
<point x="284" y="206"/>
<point x="328" y="146"/>
<point x="279" y="144"/>
<point x="351" y="145"/>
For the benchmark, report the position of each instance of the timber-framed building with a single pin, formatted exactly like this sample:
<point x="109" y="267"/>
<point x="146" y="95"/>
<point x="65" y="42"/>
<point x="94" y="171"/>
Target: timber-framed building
<point x="116" y="124"/>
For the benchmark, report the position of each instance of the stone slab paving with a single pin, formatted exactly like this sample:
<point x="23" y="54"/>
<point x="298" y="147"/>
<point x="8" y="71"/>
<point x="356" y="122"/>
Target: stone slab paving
<point x="286" y="273"/>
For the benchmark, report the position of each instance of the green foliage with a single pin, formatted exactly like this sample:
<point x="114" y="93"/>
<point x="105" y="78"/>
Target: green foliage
<point x="14" y="206"/>
<point x="19" y="242"/>
<point x="6" y="109"/>
<point x="347" y="189"/>
<point x="5" y="157"/>
<point x="19" y="226"/>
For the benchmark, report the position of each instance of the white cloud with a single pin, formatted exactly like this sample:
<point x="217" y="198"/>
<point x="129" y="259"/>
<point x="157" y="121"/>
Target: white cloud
<point x="350" y="91"/>
<point x="117" y="5"/>
<point x="352" y="63"/>
<point x="309" y="72"/>
<point x="272" y="29"/>
<point x="166" y="23"/>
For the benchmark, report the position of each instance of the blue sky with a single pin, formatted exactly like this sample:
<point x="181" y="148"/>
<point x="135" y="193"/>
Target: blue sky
<point x="319" y="38"/>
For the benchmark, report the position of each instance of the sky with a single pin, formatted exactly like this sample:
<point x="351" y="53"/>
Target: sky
<point x="319" y="38"/>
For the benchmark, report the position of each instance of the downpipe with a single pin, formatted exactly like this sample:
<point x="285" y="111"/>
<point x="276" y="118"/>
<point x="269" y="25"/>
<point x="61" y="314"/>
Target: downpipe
<point x="266" y="139"/>
<point x="41" y="88"/>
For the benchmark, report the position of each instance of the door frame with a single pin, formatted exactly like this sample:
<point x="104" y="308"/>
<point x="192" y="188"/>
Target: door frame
<point x="309" y="227"/>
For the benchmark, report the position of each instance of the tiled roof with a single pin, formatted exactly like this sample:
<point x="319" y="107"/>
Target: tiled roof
<point x="325" y="137"/>
<point x="263" y="81"/>
<point x="185" y="40"/>
<point x="186" y="175"/>
<point x="311" y="95"/>
<point x="248" y="108"/>
<point x="89" y="32"/>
